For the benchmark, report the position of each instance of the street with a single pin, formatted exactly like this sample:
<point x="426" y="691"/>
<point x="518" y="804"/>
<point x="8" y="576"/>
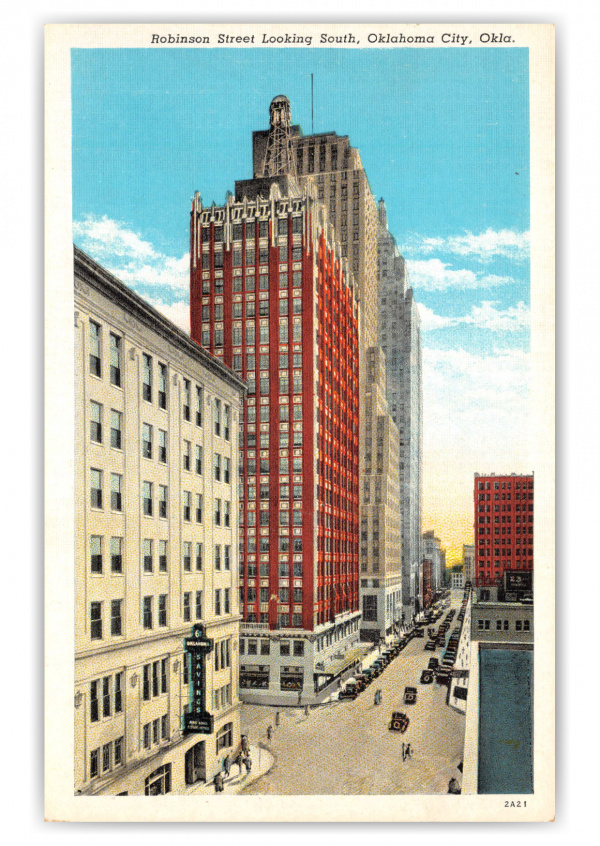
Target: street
<point x="346" y="747"/>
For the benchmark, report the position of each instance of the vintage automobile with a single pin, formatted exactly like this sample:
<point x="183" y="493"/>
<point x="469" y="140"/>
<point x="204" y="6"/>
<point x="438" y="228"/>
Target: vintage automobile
<point x="419" y="633"/>
<point x="410" y="695"/>
<point x="433" y="664"/>
<point x="349" y="692"/>
<point x="427" y="677"/>
<point x="363" y="681"/>
<point x="399" y="722"/>
<point x="431" y="631"/>
<point x="431" y="645"/>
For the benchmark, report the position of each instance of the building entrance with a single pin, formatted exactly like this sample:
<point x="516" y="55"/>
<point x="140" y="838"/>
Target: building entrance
<point x="195" y="763"/>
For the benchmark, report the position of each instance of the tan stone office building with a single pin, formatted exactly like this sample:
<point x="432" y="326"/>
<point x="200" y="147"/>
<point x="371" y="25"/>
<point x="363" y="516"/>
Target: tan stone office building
<point x="156" y="458"/>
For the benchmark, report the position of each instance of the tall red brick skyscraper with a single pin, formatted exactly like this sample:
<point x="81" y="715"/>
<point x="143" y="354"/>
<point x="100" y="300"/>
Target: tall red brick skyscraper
<point x="503" y="526"/>
<point x="272" y="297"/>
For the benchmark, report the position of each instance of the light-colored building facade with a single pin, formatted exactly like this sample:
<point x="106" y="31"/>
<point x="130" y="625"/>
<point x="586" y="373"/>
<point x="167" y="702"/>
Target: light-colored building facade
<point x="328" y="161"/>
<point x="456" y="580"/>
<point x="433" y="552"/>
<point x="400" y="340"/>
<point x="156" y="468"/>
<point x="380" y="524"/>
<point x="469" y="563"/>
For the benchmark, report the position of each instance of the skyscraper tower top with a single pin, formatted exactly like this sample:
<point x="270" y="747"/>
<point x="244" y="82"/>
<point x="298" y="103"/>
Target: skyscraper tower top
<point x="279" y="160"/>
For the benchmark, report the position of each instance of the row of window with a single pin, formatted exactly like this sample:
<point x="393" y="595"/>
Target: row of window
<point x="505" y="485"/>
<point x="284" y="569"/>
<point x="503" y="625"/>
<point x="221" y="697"/>
<point x="283" y="620"/>
<point x="154" y="555"/>
<point x="263" y="257"/>
<point x="284" y="594"/>
<point x="221" y="604"/>
<point x="250" y="334"/>
<point x="284" y="517"/>
<point x="250" y="229"/>
<point x="251" y="646"/>
<point x="156" y="731"/>
<point x="238" y="284"/>
<point x="107" y="757"/>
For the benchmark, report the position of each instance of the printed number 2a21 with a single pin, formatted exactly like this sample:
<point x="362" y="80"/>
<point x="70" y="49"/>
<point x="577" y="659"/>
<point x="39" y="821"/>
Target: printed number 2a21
<point x="519" y="804"/>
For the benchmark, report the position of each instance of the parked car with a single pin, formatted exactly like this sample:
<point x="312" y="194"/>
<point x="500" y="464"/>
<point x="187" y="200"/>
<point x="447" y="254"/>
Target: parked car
<point x="431" y="645"/>
<point x="427" y="677"/>
<point x="419" y="633"/>
<point x="410" y="695"/>
<point x="433" y="664"/>
<point x="399" y="722"/>
<point x="348" y="692"/>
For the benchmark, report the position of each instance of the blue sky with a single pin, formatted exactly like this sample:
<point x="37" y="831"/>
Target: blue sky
<point x="444" y="138"/>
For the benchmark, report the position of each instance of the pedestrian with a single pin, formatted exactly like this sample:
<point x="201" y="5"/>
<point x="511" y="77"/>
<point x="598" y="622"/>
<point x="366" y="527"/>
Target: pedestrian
<point x="403" y="752"/>
<point x="453" y="786"/>
<point x="306" y="710"/>
<point x="248" y="764"/>
<point x="244" y="742"/>
<point x="226" y="765"/>
<point x="218" y="780"/>
<point x="276" y="718"/>
<point x="339" y="683"/>
<point x="299" y="697"/>
<point x="238" y="760"/>
<point x="269" y="732"/>
<point x="408" y="750"/>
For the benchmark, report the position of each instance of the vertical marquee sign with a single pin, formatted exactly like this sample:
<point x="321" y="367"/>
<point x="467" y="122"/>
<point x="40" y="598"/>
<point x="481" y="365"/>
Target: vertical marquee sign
<point x="197" y="647"/>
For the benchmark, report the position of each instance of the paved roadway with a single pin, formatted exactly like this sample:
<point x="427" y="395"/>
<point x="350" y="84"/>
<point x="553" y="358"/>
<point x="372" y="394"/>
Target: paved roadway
<point x="346" y="748"/>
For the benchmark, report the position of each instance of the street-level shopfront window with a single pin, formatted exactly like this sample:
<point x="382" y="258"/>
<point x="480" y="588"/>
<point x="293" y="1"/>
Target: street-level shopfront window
<point x="254" y="677"/>
<point x="292" y="678"/>
<point x="159" y="781"/>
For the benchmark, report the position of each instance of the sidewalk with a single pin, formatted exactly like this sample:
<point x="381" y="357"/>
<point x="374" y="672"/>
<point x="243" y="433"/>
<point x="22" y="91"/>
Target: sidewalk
<point x="262" y="761"/>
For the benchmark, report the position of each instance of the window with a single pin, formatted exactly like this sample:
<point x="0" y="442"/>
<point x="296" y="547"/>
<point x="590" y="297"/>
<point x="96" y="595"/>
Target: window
<point x="115" y="429"/>
<point x="218" y="415"/>
<point x="199" y="553"/>
<point x="227" y="514"/>
<point x="116" y="622"/>
<point x="217" y="556"/>
<point x="162" y="385"/>
<point x="227" y="601"/>
<point x="199" y="399"/>
<point x="298" y="647"/>
<point x="146" y="440"/>
<point x="115" y="492"/>
<point x="198" y="604"/>
<point x="217" y="467"/>
<point x="96" y="488"/>
<point x="162" y="609"/>
<point x="199" y="456"/>
<point x="147" y="498"/>
<point x="96" y="554"/>
<point x="162" y="446"/>
<point x="147" y="555"/>
<point x="147" y="612"/>
<point x="187" y="400"/>
<point x="95" y="345"/>
<point x="217" y="602"/>
<point x="116" y="555"/>
<point x="199" y="504"/>
<point x="187" y="556"/>
<point x="96" y="620"/>
<point x="284" y="647"/>
<point x="224" y="737"/>
<point x="95" y="422"/>
<point x="162" y="556"/>
<point x="187" y="506"/>
<point x="115" y="359"/>
<point x="147" y="377"/>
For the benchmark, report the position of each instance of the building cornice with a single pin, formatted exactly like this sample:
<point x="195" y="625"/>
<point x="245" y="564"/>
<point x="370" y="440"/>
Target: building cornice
<point x="105" y="283"/>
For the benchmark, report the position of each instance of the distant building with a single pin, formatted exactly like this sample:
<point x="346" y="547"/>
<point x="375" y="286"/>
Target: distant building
<point x="469" y="563"/>
<point x="503" y="526"/>
<point x="427" y="582"/>
<point x="156" y="544"/>
<point x="400" y="340"/>
<point x="456" y="579"/>
<point x="433" y="552"/>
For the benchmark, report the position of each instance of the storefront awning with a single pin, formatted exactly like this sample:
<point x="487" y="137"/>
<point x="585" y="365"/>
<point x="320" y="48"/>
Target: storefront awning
<point x="337" y="667"/>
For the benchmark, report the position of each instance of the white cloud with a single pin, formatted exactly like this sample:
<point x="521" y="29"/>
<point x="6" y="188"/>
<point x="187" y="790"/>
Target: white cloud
<point x="436" y="275"/>
<point x="128" y="256"/>
<point x="484" y="316"/>
<point x="492" y="243"/>
<point x="178" y="313"/>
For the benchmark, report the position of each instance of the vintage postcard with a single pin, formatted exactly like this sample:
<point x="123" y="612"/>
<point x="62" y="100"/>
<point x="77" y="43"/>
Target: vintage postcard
<point x="300" y="410"/>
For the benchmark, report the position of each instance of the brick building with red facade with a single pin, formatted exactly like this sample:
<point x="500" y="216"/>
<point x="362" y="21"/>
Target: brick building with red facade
<point x="271" y="297"/>
<point x="503" y="526"/>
